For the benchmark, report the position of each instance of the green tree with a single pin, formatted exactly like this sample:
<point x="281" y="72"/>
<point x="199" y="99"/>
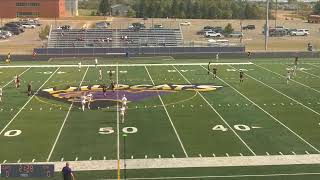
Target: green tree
<point x="292" y="1"/>
<point x="228" y="29"/>
<point x="196" y="10"/>
<point x="316" y="8"/>
<point x="104" y="7"/>
<point x="174" y="9"/>
<point x="44" y="32"/>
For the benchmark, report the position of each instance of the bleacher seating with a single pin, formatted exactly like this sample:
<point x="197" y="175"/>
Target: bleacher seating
<point x="114" y="38"/>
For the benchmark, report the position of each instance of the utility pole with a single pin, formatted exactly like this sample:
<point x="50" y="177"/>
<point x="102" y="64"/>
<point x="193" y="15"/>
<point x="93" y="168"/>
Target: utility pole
<point x="276" y="14"/>
<point x="266" y="30"/>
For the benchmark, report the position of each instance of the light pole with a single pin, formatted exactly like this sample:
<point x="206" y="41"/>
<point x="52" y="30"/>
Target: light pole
<point x="124" y="156"/>
<point x="266" y="30"/>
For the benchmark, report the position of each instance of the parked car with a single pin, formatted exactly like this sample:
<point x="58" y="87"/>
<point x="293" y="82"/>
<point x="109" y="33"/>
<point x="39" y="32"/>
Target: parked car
<point x="249" y="27"/>
<point x="136" y="26"/>
<point x="186" y="23"/>
<point x="64" y="27"/>
<point x="12" y="30"/>
<point x="15" y="25"/>
<point x="158" y="26"/>
<point x="6" y="33"/>
<point x="102" y="24"/>
<point x="213" y="34"/>
<point x="300" y="32"/>
<point x="203" y="31"/>
<point x="277" y="32"/>
<point x="236" y="34"/>
<point x="28" y="26"/>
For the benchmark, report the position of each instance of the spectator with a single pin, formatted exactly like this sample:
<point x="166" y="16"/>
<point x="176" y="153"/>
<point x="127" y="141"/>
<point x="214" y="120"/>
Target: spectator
<point x="67" y="173"/>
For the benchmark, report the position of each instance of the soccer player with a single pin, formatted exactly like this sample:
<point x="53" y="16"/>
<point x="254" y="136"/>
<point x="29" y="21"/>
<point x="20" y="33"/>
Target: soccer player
<point x="83" y="101"/>
<point x="104" y="90"/>
<point x="122" y="113"/>
<point x="0" y="94"/>
<point x="241" y="76"/>
<point x="29" y="88"/>
<point x="110" y="74"/>
<point x="124" y="101"/>
<point x="100" y="74"/>
<point x="214" y="73"/>
<point x="89" y="98"/>
<point x="112" y="86"/>
<point x="79" y="66"/>
<point x="96" y="62"/>
<point x="288" y="76"/>
<point x="217" y="57"/>
<point x="295" y="65"/>
<point x="17" y="81"/>
<point x="209" y="68"/>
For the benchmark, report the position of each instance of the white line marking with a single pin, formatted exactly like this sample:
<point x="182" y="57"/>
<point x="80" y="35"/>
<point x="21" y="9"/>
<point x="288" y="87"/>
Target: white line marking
<point x="310" y="74"/>
<point x="159" y="156"/>
<point x="307" y="152"/>
<point x="76" y="159"/>
<point x="284" y="95"/>
<point x="269" y="114"/>
<point x="13" y="79"/>
<point x="267" y="153"/>
<point x="293" y="152"/>
<point x="19" y="161"/>
<point x="285" y="78"/>
<point x="227" y="155"/>
<point x="241" y="154"/>
<point x="125" y="65"/>
<point x="213" y="155"/>
<point x="200" y="155"/>
<point x="145" y="156"/>
<point x="281" y="153"/>
<point x="14" y="117"/>
<point x="131" y="156"/>
<point x="33" y="160"/>
<point x="64" y="121"/>
<point x="164" y="107"/>
<point x="218" y="113"/>
<point x="4" y="161"/>
<point x="90" y="158"/>
<point x="118" y="118"/>
<point x="62" y="159"/>
<point x="172" y="155"/>
<point x="314" y="65"/>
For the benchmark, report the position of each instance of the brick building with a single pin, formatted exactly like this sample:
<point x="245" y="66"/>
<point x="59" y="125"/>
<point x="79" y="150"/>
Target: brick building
<point x="32" y="8"/>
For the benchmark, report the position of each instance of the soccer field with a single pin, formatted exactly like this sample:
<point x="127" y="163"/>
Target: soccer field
<point x="178" y="115"/>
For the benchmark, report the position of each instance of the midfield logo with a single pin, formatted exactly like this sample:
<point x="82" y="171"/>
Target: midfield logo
<point x="132" y="92"/>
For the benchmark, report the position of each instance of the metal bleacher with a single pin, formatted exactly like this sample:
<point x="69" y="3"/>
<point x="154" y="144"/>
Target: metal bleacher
<point x="114" y="38"/>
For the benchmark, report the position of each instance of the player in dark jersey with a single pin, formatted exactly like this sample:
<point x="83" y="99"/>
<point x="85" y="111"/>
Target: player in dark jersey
<point x="104" y="90"/>
<point x="29" y="89"/>
<point x="241" y="76"/>
<point x="295" y="65"/>
<point x="249" y="55"/>
<point x="110" y="74"/>
<point x="112" y="86"/>
<point x="214" y="73"/>
<point x="209" y="68"/>
<point x="17" y="81"/>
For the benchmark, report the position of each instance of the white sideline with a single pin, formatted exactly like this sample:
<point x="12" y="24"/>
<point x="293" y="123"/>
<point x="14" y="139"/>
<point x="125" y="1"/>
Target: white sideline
<point x="191" y="162"/>
<point x="14" y="117"/>
<point x="182" y="146"/>
<point x="13" y="79"/>
<point x="285" y="77"/>
<point x="65" y="119"/>
<point x="219" y="114"/>
<point x="125" y="65"/>
<point x="274" y="118"/>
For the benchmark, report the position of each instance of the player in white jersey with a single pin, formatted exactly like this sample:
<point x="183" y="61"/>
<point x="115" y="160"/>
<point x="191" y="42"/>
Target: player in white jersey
<point x="96" y="62"/>
<point x="100" y="74"/>
<point x="217" y="57"/>
<point x="17" y="81"/>
<point x="0" y="94"/>
<point x="288" y="76"/>
<point x="124" y="101"/>
<point x="122" y="113"/>
<point x="83" y="101"/>
<point x="79" y="66"/>
<point x="89" y="98"/>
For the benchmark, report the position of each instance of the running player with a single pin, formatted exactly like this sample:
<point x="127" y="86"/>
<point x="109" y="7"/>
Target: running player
<point x="17" y="81"/>
<point x="0" y="94"/>
<point x="214" y="73"/>
<point x="124" y="101"/>
<point x="79" y="66"/>
<point x="96" y="62"/>
<point x="104" y="90"/>
<point x="288" y="76"/>
<point x="122" y="113"/>
<point x="89" y="98"/>
<point x="100" y="74"/>
<point x="110" y="74"/>
<point x="241" y="76"/>
<point x="83" y="101"/>
<point x="295" y="65"/>
<point x="112" y="86"/>
<point x="209" y="68"/>
<point x="29" y="88"/>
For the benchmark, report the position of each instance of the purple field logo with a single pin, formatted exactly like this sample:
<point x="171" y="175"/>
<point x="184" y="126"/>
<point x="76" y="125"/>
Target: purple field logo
<point x="133" y="93"/>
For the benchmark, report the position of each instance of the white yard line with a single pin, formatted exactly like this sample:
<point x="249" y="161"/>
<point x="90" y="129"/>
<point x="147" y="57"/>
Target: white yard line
<point x="218" y="114"/>
<point x="310" y="74"/>
<point x="313" y="65"/>
<point x="124" y="65"/>
<point x="281" y="93"/>
<point x="64" y="121"/>
<point x="14" y="117"/>
<point x="118" y="125"/>
<point x="191" y="162"/>
<point x="285" y="78"/>
<point x="274" y="118"/>
<point x="164" y="107"/>
<point x="13" y="79"/>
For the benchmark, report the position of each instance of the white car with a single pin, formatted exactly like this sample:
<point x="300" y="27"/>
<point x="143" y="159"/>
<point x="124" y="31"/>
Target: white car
<point x="213" y="34"/>
<point x="28" y="26"/>
<point x="300" y="32"/>
<point x="186" y="23"/>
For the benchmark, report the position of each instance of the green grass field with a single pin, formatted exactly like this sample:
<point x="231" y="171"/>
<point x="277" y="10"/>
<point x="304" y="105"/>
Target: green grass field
<point x="262" y="117"/>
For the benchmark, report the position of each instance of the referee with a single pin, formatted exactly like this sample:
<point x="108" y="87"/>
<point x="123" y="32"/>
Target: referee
<point x="67" y="173"/>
